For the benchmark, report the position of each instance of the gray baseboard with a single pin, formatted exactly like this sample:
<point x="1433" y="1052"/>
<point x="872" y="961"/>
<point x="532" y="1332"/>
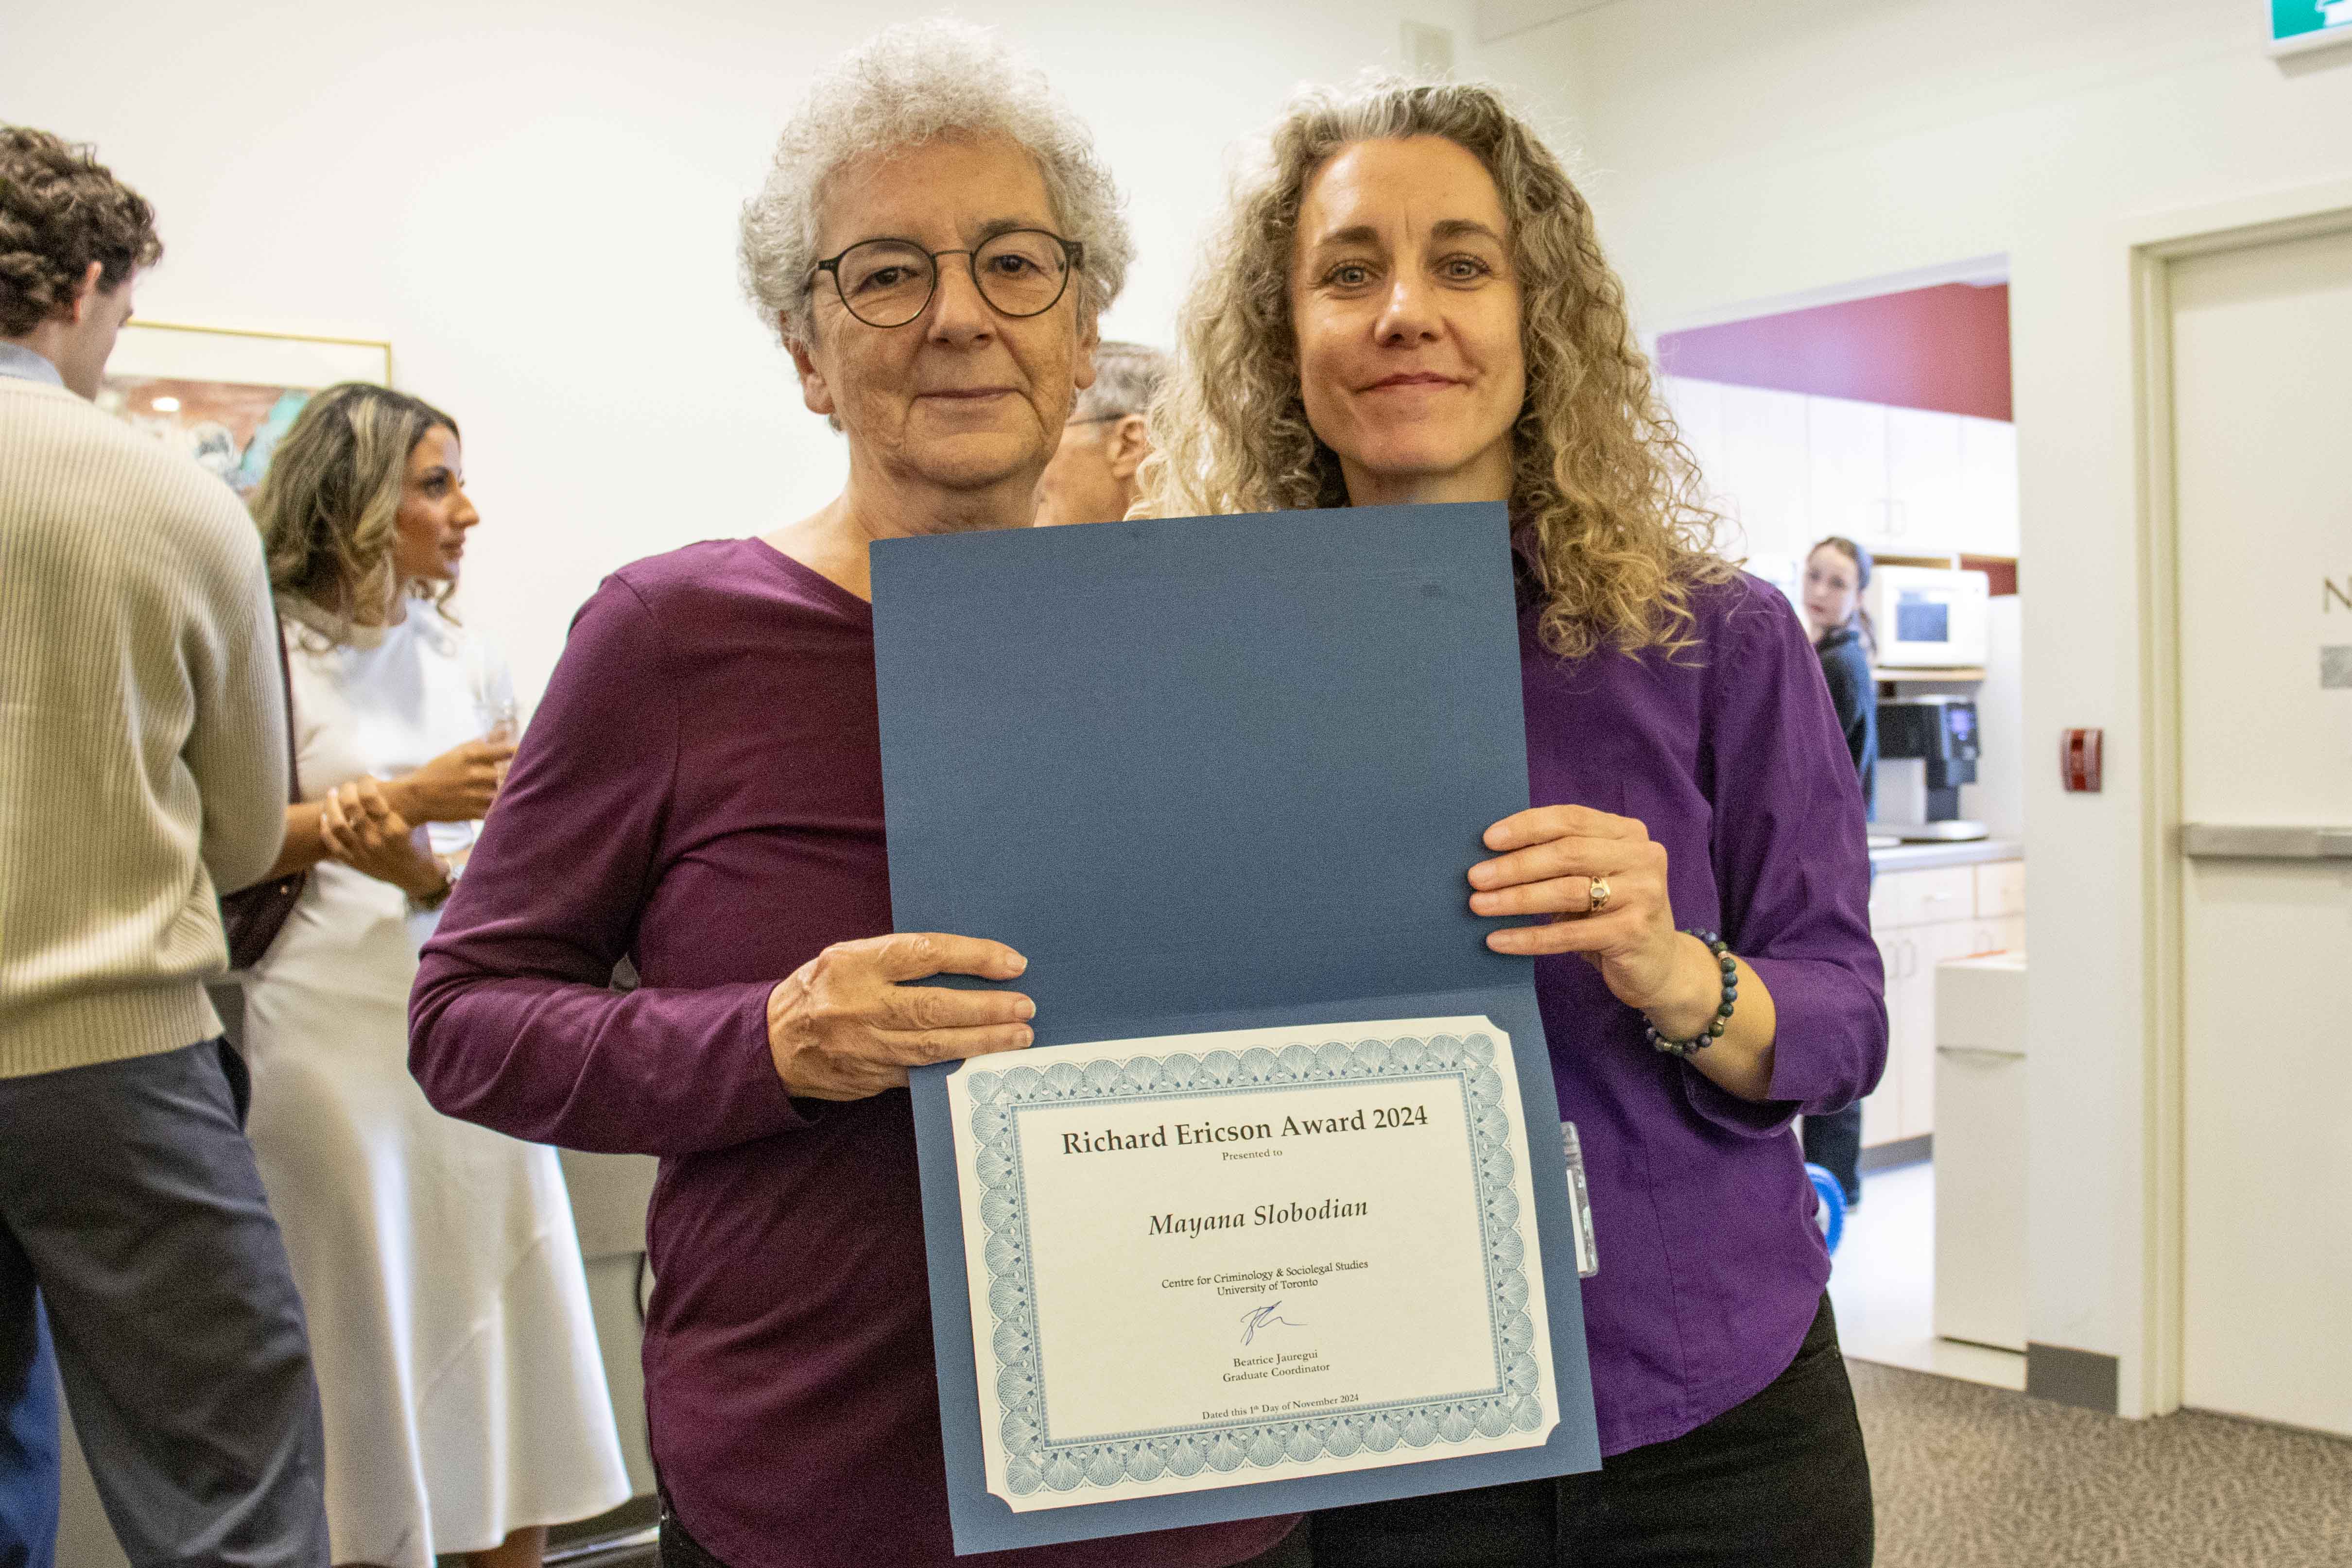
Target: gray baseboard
<point x="2086" y="1379"/>
<point x="1901" y="1152"/>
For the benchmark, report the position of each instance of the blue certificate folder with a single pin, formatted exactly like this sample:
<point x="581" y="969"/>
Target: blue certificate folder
<point x="1213" y="773"/>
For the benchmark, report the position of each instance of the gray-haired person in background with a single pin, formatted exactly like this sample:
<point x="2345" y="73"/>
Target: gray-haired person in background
<point x="142" y="766"/>
<point x="1092" y="477"/>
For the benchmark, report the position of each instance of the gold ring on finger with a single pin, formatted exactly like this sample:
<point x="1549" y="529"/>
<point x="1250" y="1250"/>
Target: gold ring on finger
<point x="1598" y="894"/>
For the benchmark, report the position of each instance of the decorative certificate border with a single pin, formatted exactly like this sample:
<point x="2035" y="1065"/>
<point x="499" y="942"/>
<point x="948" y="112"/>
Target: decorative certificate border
<point x="1035" y="1460"/>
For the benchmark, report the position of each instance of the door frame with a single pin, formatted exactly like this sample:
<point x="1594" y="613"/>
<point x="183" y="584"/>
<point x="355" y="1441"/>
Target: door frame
<point x="2150" y="246"/>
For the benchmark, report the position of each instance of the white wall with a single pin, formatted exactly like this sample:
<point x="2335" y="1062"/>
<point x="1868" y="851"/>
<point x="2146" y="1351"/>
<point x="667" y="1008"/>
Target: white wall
<point x="1739" y="154"/>
<point x="1998" y="797"/>
<point x="536" y="203"/>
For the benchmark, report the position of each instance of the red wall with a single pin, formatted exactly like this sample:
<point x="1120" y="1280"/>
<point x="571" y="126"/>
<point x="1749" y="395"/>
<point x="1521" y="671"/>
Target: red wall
<point x="1945" y="347"/>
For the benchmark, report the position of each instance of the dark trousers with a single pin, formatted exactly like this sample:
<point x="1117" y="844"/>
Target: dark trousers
<point x="679" y="1550"/>
<point x="1781" y="1482"/>
<point x="676" y="1549"/>
<point x="1834" y="1143"/>
<point x="28" y="1427"/>
<point x="129" y="1198"/>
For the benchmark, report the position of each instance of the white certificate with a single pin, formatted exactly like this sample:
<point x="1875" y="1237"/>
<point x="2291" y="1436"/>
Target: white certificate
<point x="1207" y="1260"/>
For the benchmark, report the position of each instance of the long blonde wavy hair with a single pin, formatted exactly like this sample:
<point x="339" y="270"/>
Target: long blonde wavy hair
<point x="1605" y="503"/>
<point x="328" y="506"/>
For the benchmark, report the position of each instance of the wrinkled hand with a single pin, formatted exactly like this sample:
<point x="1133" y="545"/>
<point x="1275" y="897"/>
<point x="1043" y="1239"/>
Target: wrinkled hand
<point x="844" y="1026"/>
<point x="360" y="829"/>
<point x="1547" y="862"/>
<point x="456" y="786"/>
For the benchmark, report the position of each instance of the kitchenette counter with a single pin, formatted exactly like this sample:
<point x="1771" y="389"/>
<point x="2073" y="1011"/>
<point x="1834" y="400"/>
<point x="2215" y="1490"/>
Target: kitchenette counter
<point x="1927" y="857"/>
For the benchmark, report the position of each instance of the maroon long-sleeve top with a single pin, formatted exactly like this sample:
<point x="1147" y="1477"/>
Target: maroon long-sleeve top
<point x="701" y="791"/>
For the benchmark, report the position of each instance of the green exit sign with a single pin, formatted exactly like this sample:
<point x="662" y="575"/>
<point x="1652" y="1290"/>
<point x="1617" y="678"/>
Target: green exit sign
<point x="2297" y="25"/>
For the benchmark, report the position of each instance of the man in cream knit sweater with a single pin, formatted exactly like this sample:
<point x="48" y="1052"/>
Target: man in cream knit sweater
<point x="143" y="767"/>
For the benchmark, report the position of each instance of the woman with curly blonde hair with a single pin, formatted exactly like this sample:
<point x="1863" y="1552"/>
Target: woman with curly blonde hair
<point x="1409" y="305"/>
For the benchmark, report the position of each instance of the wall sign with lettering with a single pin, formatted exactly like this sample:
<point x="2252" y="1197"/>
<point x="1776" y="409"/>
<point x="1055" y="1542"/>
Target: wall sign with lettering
<point x="2299" y="25"/>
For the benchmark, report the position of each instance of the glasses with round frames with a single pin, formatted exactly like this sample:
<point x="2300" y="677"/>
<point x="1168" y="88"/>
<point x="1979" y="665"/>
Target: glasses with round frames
<point x="890" y="282"/>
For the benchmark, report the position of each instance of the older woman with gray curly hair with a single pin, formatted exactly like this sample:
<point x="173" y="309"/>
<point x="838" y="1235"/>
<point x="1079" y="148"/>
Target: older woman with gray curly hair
<point x="700" y="793"/>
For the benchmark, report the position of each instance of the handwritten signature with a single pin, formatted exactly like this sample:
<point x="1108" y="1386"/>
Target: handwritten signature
<point x="1266" y="1317"/>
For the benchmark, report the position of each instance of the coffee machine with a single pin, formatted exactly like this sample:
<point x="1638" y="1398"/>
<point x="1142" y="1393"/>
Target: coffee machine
<point x="1926" y="749"/>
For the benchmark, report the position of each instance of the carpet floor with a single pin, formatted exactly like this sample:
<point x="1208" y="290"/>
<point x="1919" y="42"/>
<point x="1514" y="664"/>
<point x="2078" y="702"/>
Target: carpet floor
<point x="1971" y="1477"/>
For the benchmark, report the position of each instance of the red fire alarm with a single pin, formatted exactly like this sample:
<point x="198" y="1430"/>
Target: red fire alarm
<point x="2078" y="758"/>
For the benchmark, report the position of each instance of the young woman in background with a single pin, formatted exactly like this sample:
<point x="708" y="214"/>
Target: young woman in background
<point x="464" y="1398"/>
<point x="1837" y="572"/>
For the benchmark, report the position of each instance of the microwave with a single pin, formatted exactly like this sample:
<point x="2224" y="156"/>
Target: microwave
<point x="1928" y="617"/>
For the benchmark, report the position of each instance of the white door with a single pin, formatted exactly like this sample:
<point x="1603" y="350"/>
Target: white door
<point x="1923" y="478"/>
<point x="1846" y="448"/>
<point x="1763" y="467"/>
<point x="1882" y="1111"/>
<point x="2262" y="344"/>
<point x="1930" y="946"/>
<point x="1980" y="1224"/>
<point x="1987" y="509"/>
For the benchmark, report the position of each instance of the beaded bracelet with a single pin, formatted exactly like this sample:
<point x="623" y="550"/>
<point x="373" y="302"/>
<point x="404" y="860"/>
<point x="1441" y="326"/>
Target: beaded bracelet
<point x="1713" y="1030"/>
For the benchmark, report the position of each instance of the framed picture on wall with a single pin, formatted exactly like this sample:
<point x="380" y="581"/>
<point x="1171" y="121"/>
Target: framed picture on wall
<point x="223" y="396"/>
<point x="2299" y="25"/>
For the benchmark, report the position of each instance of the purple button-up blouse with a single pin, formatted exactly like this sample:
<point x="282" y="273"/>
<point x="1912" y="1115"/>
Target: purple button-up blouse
<point x="700" y="790"/>
<point x="1730" y="755"/>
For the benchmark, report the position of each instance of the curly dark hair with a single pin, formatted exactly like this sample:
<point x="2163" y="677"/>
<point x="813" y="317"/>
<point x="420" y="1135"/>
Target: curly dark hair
<point x="61" y="209"/>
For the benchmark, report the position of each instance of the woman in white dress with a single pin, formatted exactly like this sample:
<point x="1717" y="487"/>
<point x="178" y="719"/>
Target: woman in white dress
<point x="466" y="1402"/>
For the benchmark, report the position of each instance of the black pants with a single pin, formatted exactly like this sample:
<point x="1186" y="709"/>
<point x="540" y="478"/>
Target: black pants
<point x="679" y="1550"/>
<point x="1834" y="1143"/>
<point x="676" y="1549"/>
<point x="1780" y="1481"/>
